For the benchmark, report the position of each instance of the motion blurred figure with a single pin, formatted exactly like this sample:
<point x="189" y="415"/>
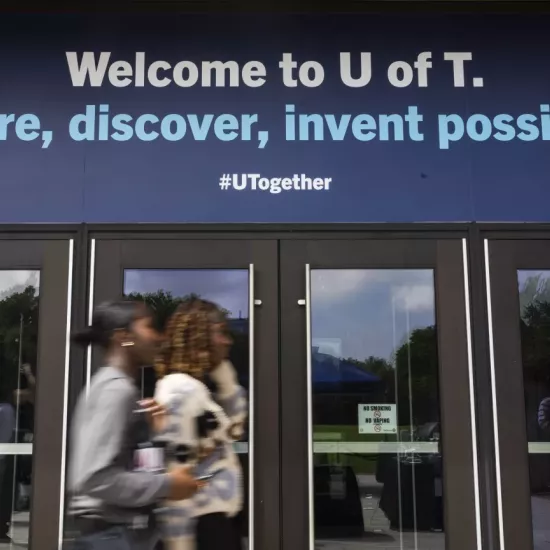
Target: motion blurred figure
<point x="206" y="412"/>
<point x="112" y="504"/>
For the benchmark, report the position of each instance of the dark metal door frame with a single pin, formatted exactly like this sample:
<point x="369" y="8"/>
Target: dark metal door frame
<point x="446" y="258"/>
<point x="53" y="253"/>
<point x="159" y="251"/>
<point x="361" y="232"/>
<point x="502" y="251"/>
<point x="259" y="232"/>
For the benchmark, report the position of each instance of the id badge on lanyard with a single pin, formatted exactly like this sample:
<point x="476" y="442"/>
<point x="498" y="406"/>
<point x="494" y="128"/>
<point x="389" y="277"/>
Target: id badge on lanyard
<point x="149" y="458"/>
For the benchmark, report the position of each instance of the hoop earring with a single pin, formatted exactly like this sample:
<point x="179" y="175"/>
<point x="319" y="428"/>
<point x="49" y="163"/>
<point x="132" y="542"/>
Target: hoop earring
<point x="127" y="344"/>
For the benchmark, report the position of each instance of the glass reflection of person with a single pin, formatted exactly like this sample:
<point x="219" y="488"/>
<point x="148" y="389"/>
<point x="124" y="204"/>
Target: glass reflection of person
<point x="24" y="399"/>
<point x="27" y="394"/>
<point x="544" y="415"/>
<point x="206" y="412"/>
<point x="7" y="428"/>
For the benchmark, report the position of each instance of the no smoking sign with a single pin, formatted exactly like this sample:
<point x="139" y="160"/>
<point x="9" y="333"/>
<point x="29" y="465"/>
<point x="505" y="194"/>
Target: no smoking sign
<point x="377" y="419"/>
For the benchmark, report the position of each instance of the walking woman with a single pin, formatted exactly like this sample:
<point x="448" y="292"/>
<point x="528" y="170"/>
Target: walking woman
<point x="112" y="503"/>
<point x="206" y="412"/>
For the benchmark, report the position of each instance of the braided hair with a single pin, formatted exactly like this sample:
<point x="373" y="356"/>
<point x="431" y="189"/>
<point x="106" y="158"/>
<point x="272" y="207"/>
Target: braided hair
<point x="187" y="347"/>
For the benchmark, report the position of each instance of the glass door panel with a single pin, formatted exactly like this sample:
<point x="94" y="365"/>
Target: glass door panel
<point x="534" y="302"/>
<point x="384" y="364"/>
<point x="35" y="317"/>
<point x="19" y="309"/>
<point x="376" y="421"/>
<point x="518" y="286"/>
<point x="234" y="275"/>
<point x="164" y="289"/>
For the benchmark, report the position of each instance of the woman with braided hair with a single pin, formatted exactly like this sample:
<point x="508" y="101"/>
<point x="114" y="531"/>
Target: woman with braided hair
<point x="207" y="410"/>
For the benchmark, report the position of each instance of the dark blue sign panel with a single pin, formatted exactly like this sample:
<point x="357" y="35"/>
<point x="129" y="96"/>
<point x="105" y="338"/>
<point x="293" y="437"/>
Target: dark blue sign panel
<point x="274" y="119"/>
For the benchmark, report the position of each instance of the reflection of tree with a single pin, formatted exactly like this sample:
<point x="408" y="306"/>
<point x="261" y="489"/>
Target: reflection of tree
<point x="535" y="330"/>
<point x="32" y="280"/>
<point x="534" y="289"/>
<point x="420" y="352"/>
<point x="535" y="349"/>
<point x="535" y="341"/>
<point x="374" y="365"/>
<point x="163" y="303"/>
<point x="14" y="308"/>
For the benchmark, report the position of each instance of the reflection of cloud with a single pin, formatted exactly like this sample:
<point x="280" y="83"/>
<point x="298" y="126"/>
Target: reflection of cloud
<point x="414" y="297"/>
<point x="335" y="285"/>
<point x="525" y="275"/>
<point x="13" y="280"/>
<point x="370" y="311"/>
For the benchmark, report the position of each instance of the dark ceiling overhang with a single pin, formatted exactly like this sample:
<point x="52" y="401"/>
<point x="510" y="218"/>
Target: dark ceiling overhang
<point x="278" y="6"/>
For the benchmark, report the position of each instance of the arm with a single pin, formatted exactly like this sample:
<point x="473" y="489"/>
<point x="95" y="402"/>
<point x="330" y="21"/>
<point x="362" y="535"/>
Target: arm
<point x="231" y="397"/>
<point x="101" y="473"/>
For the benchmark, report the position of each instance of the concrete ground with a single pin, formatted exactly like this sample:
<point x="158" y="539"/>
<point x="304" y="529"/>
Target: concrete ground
<point x="378" y="535"/>
<point x="19" y="532"/>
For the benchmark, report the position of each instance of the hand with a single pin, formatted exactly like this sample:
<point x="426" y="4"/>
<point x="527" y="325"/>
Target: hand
<point x="155" y="413"/>
<point x="183" y="484"/>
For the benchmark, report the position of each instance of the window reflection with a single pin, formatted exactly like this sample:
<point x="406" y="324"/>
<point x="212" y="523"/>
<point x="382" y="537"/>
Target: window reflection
<point x="377" y="460"/>
<point x="163" y="290"/>
<point x="19" y="307"/>
<point x="534" y="297"/>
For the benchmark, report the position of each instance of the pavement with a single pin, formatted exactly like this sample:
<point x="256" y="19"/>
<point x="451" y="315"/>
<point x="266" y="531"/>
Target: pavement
<point x="19" y="532"/>
<point x="378" y="535"/>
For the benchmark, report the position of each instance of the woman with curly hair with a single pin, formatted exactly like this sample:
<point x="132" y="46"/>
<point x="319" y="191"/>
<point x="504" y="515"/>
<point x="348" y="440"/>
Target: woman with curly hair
<point x="206" y="412"/>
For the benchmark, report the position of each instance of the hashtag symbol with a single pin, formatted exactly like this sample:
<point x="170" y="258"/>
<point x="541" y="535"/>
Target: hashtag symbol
<point x="225" y="182"/>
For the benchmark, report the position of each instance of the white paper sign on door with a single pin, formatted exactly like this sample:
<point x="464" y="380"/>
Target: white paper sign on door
<point x="378" y="419"/>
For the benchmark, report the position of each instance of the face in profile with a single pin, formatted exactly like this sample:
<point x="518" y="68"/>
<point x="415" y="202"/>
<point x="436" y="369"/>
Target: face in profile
<point x="221" y="342"/>
<point x="146" y="341"/>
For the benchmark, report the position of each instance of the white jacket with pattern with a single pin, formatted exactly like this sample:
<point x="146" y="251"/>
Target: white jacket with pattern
<point x="201" y="429"/>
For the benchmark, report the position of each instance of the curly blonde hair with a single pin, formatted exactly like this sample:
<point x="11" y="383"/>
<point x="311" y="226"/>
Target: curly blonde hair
<point x="187" y="347"/>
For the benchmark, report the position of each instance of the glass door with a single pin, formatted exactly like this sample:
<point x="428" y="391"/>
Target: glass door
<point x="241" y="277"/>
<point x="35" y="319"/>
<point x="379" y="445"/>
<point x="518" y="303"/>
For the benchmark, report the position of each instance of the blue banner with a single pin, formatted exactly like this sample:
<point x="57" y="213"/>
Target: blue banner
<point x="274" y="118"/>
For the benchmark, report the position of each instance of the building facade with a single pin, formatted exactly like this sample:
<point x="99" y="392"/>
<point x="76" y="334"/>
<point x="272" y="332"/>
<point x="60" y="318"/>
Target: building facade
<point x="366" y="195"/>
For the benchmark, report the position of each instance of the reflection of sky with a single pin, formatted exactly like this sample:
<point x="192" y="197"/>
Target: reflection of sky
<point x="525" y="274"/>
<point x="14" y="280"/>
<point x="367" y="313"/>
<point x="356" y="313"/>
<point x="226" y="287"/>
